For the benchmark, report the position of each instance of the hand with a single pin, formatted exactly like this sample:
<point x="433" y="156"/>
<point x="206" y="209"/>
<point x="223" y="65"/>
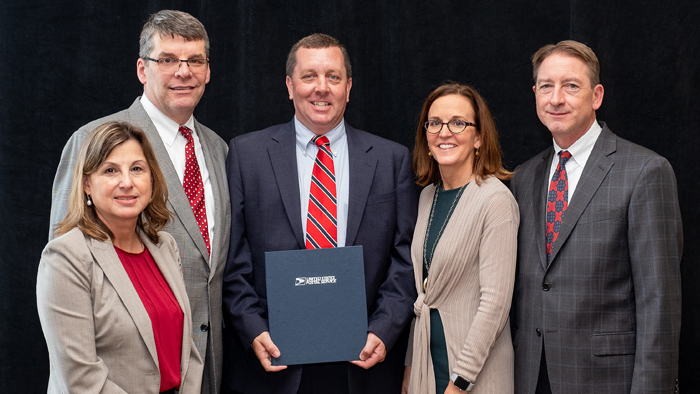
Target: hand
<point x="264" y="350"/>
<point x="452" y="389"/>
<point x="373" y="352"/>
<point x="406" y="380"/>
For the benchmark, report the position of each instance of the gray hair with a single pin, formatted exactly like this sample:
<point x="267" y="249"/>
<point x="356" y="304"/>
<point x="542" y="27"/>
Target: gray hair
<point x="171" y="23"/>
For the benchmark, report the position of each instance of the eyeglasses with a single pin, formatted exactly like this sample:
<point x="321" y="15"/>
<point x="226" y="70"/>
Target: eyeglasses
<point x="170" y="64"/>
<point x="455" y="126"/>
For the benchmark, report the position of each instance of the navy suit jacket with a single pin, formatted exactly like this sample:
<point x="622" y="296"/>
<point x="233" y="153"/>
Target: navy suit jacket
<point x="266" y="216"/>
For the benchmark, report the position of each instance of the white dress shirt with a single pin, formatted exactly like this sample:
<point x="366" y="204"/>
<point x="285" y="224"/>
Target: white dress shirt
<point x="175" y="143"/>
<point x="306" y="156"/>
<point x="580" y="151"/>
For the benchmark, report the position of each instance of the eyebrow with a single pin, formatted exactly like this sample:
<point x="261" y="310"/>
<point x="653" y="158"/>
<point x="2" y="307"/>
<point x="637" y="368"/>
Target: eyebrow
<point x="168" y="54"/>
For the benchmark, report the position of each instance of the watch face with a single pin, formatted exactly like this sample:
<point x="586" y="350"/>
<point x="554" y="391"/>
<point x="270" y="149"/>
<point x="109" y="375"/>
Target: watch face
<point x="461" y="383"/>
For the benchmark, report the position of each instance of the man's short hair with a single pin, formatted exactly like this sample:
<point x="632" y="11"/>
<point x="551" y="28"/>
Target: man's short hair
<point x="317" y="40"/>
<point x="171" y="23"/>
<point x="570" y="48"/>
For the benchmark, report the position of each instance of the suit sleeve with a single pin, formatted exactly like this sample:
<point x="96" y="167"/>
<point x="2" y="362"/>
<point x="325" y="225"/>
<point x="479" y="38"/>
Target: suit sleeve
<point x="63" y="180"/>
<point x="655" y="246"/>
<point x="398" y="292"/>
<point x="241" y="302"/>
<point x="64" y="304"/>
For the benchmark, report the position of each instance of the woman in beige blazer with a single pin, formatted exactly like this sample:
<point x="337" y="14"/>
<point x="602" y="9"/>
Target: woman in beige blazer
<point x="101" y="334"/>
<point x="463" y="251"/>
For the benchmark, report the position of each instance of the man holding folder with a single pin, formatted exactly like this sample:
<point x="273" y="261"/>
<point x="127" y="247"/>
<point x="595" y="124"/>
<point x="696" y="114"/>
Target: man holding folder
<point x="317" y="182"/>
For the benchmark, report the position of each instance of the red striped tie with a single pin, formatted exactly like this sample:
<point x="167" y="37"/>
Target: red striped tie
<point x="321" y="222"/>
<point x="194" y="188"/>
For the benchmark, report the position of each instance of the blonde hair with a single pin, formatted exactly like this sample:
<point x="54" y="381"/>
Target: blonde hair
<point x="98" y="145"/>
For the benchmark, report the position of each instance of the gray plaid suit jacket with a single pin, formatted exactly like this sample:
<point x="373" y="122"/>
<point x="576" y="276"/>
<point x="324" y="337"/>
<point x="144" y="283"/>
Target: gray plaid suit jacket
<point x="202" y="281"/>
<point x="607" y="308"/>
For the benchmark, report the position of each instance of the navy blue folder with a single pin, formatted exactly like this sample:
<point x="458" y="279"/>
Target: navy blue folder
<point x="316" y="302"/>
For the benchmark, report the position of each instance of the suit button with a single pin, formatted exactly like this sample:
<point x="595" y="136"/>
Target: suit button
<point x="204" y="327"/>
<point x="538" y="331"/>
<point x="545" y="286"/>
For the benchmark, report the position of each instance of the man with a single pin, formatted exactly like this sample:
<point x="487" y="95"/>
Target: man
<point x="173" y="67"/>
<point x="270" y="174"/>
<point x="597" y="301"/>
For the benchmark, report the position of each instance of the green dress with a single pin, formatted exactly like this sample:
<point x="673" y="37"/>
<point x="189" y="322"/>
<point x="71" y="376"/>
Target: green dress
<point x="440" y="214"/>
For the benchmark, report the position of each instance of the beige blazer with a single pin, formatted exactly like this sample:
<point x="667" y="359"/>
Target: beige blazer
<point x="98" y="332"/>
<point x="470" y="283"/>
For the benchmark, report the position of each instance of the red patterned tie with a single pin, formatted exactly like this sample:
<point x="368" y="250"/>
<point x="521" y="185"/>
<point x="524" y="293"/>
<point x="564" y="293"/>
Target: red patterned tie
<point x="557" y="200"/>
<point x="321" y="222"/>
<point x="194" y="188"/>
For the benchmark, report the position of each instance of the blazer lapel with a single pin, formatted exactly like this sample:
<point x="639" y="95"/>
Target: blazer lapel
<point x="284" y="164"/>
<point x="539" y="193"/>
<point x="170" y="270"/>
<point x="362" y="167"/>
<point x="107" y="258"/>
<point x="176" y="193"/>
<point x="597" y="168"/>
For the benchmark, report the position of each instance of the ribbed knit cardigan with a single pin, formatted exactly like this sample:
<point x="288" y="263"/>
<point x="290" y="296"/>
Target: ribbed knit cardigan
<point x="471" y="284"/>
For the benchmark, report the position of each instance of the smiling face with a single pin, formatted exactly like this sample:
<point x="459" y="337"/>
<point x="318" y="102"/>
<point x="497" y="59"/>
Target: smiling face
<point x="175" y="94"/>
<point x="121" y="187"/>
<point x="454" y="153"/>
<point x="319" y="88"/>
<point x="566" y="102"/>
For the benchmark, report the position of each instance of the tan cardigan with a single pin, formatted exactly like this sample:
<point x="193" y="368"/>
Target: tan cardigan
<point x="471" y="285"/>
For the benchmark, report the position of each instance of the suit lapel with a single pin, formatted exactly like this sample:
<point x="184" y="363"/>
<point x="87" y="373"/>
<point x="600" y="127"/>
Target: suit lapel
<point x="362" y="167"/>
<point x="284" y="164"/>
<point x="107" y="258"/>
<point x="176" y="193"/>
<point x="539" y="192"/>
<point x="597" y="168"/>
<point x="214" y="177"/>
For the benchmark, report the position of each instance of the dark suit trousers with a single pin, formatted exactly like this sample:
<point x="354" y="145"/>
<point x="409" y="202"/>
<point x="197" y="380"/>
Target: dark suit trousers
<point x="543" y="379"/>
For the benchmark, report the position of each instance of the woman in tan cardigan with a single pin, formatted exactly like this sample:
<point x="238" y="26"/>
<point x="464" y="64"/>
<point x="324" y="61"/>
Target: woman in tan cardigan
<point x="463" y="250"/>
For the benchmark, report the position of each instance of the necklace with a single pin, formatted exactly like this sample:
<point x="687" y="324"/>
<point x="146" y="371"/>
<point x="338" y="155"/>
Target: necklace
<point x="428" y="262"/>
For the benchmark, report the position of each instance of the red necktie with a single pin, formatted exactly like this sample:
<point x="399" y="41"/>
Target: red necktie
<point x="321" y="223"/>
<point x="557" y="200"/>
<point x="194" y="188"/>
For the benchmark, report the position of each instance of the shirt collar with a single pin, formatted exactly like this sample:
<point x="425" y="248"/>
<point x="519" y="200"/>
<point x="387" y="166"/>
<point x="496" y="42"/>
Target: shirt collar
<point x="167" y="128"/>
<point x="304" y="137"/>
<point x="582" y="148"/>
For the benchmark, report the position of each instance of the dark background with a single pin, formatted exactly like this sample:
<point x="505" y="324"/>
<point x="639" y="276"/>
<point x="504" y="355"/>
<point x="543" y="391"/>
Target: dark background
<point x="64" y="63"/>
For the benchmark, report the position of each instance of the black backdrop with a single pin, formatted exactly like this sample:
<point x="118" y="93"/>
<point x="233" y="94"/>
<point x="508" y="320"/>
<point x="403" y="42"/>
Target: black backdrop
<point x="64" y="63"/>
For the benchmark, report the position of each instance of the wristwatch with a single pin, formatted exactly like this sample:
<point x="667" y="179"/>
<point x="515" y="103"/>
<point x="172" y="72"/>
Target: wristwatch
<point x="462" y="383"/>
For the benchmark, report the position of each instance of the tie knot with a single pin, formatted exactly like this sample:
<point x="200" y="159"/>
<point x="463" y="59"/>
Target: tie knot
<point x="564" y="156"/>
<point x="186" y="132"/>
<point x="320" y="140"/>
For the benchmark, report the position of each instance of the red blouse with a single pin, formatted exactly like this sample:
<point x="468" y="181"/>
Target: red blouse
<point x="163" y="309"/>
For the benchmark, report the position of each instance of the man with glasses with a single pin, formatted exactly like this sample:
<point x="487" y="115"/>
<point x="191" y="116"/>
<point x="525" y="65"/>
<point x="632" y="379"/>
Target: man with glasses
<point x="173" y="67"/>
<point x="274" y="176"/>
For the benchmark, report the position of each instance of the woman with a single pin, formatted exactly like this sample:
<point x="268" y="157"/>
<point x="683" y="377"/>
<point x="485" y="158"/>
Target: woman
<point x="463" y="250"/>
<point x="110" y="292"/>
